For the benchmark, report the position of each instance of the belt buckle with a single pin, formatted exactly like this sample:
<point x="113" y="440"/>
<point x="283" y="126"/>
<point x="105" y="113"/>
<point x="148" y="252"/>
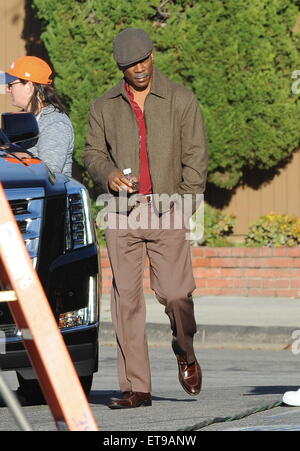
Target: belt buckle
<point x="143" y="199"/>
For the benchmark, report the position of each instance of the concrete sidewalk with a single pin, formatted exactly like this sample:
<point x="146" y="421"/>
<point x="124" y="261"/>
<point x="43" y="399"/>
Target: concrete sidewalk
<point x="242" y="322"/>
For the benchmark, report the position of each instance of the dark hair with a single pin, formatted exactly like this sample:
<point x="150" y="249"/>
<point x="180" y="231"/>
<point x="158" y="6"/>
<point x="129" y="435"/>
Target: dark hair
<point x="47" y="95"/>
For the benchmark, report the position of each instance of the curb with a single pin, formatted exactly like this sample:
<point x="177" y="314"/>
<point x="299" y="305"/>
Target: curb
<point x="241" y="337"/>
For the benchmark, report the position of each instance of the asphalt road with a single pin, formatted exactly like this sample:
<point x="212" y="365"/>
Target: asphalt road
<point x="234" y="381"/>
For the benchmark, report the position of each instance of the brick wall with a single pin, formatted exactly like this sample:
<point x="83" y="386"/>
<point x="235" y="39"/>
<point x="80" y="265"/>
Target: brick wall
<point x="235" y="272"/>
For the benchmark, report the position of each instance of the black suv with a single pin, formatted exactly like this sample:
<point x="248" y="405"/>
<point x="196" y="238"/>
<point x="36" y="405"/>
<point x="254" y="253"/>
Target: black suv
<point x="54" y="215"/>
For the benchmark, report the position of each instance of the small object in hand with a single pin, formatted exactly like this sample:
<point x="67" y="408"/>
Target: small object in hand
<point x="128" y="174"/>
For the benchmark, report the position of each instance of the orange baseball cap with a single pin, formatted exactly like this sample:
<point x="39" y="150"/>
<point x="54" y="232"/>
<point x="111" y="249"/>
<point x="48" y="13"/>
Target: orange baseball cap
<point x="30" y="68"/>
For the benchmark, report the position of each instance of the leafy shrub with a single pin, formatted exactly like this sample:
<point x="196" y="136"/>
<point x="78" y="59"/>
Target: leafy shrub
<point x="217" y="227"/>
<point x="274" y="231"/>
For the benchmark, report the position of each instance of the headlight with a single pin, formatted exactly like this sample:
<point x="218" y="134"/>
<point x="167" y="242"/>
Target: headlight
<point x="85" y="316"/>
<point x="79" y="223"/>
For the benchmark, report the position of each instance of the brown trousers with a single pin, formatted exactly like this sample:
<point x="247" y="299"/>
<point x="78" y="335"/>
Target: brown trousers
<point x="171" y="279"/>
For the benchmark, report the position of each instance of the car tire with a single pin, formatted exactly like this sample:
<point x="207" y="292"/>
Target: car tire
<point x="29" y="391"/>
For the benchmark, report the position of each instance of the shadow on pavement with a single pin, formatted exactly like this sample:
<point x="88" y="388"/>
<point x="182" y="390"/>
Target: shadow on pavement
<point x="271" y="390"/>
<point x="103" y="397"/>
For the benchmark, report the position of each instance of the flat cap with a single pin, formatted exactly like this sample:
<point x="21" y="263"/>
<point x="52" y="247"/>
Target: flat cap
<point x="131" y="45"/>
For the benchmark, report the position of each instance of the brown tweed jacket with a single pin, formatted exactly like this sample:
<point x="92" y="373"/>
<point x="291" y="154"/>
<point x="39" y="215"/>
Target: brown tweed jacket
<point x="176" y="141"/>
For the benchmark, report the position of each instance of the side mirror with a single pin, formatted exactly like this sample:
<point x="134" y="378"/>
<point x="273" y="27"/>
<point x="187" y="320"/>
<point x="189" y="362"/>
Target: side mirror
<point x="20" y="128"/>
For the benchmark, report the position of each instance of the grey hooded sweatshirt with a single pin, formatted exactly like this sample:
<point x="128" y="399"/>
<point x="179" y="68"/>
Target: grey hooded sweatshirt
<point x="56" y="140"/>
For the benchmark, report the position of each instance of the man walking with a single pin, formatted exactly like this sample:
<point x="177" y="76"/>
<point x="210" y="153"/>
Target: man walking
<point x="153" y="126"/>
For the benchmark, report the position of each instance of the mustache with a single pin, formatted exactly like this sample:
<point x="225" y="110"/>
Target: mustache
<point x="141" y="75"/>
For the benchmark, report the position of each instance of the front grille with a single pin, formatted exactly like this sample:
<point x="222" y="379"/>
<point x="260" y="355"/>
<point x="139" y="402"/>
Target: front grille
<point x="27" y="206"/>
<point x="10" y="330"/>
<point x="22" y="226"/>
<point x="19" y="207"/>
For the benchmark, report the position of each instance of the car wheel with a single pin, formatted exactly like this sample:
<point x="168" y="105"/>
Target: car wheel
<point x="29" y="390"/>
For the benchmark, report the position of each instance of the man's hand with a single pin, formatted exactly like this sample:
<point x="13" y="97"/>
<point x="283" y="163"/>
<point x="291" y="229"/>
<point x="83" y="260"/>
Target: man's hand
<point x="117" y="181"/>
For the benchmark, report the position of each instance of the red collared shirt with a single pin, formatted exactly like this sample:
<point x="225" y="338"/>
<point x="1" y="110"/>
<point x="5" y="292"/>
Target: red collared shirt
<point x="145" y="183"/>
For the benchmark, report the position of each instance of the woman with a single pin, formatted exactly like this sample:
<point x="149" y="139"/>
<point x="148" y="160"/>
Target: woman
<point x="30" y="88"/>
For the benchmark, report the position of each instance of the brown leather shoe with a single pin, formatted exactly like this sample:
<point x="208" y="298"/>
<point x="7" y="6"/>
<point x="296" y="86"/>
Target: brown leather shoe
<point x="124" y="395"/>
<point x="130" y="400"/>
<point x="189" y="375"/>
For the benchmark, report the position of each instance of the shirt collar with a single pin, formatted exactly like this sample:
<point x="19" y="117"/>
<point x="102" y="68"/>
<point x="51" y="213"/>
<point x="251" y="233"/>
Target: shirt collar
<point x="159" y="84"/>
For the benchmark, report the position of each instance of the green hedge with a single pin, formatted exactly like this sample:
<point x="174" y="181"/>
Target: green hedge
<point x="237" y="56"/>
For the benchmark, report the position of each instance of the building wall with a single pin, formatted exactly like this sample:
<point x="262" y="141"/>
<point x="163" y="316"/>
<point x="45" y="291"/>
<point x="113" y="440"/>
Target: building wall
<point x="280" y="195"/>
<point x="12" y="14"/>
